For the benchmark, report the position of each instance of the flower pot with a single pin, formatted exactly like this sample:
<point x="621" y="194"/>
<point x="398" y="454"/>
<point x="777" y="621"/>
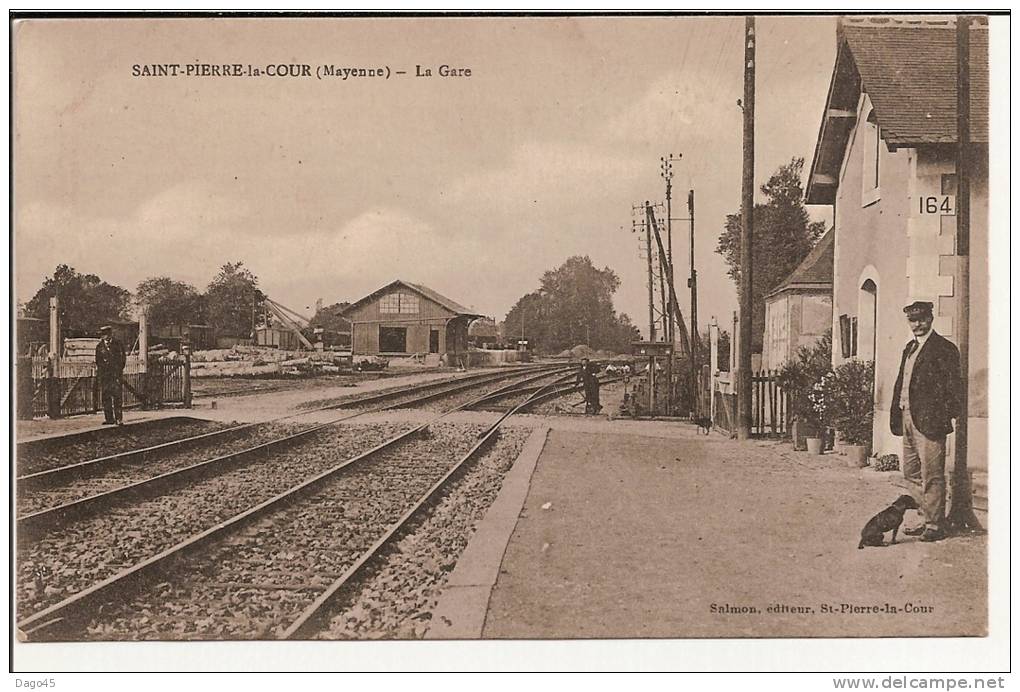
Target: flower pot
<point x="814" y="445"/>
<point x="799" y="432"/>
<point x="857" y="455"/>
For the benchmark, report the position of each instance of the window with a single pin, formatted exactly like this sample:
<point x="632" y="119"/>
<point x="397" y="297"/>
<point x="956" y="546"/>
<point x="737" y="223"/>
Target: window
<point x="845" y="336"/>
<point x="390" y="304"/>
<point x="399" y="303"/>
<point x="871" y="147"/>
<point x="949" y="183"/>
<point x="408" y="304"/>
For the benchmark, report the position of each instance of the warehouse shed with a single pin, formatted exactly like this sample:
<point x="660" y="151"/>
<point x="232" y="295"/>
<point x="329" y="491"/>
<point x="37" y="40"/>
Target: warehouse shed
<point x="402" y="319"/>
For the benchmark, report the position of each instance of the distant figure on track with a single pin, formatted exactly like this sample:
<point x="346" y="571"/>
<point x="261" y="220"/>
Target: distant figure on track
<point x="110" y="361"/>
<point x="592" y="388"/>
<point x="587" y="375"/>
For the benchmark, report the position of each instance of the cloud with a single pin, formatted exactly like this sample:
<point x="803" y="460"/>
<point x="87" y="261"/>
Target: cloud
<point x="187" y="233"/>
<point x="546" y="177"/>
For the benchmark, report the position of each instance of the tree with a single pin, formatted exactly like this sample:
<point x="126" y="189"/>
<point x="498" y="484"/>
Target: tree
<point x="86" y="301"/>
<point x="232" y="298"/>
<point x="170" y="302"/>
<point x="527" y="319"/>
<point x="783" y="236"/>
<point x="327" y="318"/>
<point x="573" y="305"/>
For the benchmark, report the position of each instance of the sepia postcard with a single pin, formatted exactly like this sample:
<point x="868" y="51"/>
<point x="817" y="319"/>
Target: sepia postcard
<point x="613" y="341"/>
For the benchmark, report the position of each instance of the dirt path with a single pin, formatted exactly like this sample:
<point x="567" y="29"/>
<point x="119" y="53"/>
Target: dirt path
<point x="652" y="537"/>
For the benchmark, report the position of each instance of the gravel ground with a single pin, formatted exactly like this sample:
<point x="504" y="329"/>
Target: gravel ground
<point x="639" y="536"/>
<point x="573" y="402"/>
<point x="459" y="399"/>
<point x="512" y="399"/>
<point x="54" y="453"/>
<point x="243" y="386"/>
<point x="397" y="600"/>
<point x="336" y="400"/>
<point x="35" y="500"/>
<point x="256" y="583"/>
<point x="77" y="556"/>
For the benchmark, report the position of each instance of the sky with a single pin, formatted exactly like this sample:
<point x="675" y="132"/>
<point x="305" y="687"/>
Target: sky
<point x="332" y="188"/>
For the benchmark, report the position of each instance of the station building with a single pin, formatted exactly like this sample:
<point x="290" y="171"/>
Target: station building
<point x="885" y="159"/>
<point x="404" y="319"/>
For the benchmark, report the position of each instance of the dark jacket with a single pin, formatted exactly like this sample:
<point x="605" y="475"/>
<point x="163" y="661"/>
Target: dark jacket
<point x="934" y="389"/>
<point x="110" y="360"/>
<point x="587" y="376"/>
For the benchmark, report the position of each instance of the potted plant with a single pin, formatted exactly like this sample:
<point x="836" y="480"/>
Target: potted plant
<point x="822" y="405"/>
<point x="847" y="394"/>
<point x="797" y="378"/>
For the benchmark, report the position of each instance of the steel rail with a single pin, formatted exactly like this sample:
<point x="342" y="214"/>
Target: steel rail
<point x="565" y="389"/>
<point x="32" y="525"/>
<point x="522" y="388"/>
<point x="61" y="618"/>
<point x="79" y="469"/>
<point x="310" y="618"/>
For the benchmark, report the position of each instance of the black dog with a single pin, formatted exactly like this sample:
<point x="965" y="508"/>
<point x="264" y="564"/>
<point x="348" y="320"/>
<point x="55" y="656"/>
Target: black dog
<point x="704" y="423"/>
<point x="889" y="519"/>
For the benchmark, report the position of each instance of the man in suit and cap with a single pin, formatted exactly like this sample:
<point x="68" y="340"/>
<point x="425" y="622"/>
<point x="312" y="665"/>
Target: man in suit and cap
<point x="110" y="361"/>
<point x="926" y="397"/>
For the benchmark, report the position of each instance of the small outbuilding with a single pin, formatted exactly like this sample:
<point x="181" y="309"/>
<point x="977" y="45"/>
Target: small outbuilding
<point x="798" y="311"/>
<point x="404" y="319"/>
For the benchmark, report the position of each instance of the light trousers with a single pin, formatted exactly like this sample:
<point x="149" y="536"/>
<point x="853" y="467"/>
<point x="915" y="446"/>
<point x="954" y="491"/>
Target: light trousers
<point x="924" y="463"/>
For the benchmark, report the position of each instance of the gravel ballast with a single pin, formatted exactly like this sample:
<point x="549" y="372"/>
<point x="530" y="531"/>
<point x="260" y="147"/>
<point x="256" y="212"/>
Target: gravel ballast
<point x="79" y="555"/>
<point x="44" y="455"/>
<point x="255" y="584"/>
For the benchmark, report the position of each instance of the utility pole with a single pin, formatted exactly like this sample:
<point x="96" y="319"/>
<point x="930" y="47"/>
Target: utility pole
<point x="746" y="239"/>
<point x="664" y="299"/>
<point x="666" y="171"/>
<point x="692" y="284"/>
<point x="961" y="513"/>
<point x="651" y="286"/>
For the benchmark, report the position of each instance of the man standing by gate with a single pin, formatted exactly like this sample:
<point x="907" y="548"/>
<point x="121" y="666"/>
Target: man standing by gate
<point x="110" y="361"/>
<point x="926" y="397"/>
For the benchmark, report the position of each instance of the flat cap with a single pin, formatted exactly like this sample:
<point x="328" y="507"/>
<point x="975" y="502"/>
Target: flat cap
<point x="919" y="308"/>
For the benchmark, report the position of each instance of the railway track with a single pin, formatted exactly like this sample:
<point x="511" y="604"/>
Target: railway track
<point x="45" y="505"/>
<point x="47" y="460"/>
<point x="379" y="477"/>
<point x="97" y="484"/>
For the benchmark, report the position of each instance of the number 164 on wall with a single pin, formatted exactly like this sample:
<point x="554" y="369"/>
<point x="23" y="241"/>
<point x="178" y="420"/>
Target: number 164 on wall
<point x="943" y="205"/>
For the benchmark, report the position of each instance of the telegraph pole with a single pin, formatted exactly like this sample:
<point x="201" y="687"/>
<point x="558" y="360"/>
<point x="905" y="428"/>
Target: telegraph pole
<point x="746" y="238"/>
<point x="666" y="171"/>
<point x="651" y="286"/>
<point x="961" y="513"/>
<point x="692" y="284"/>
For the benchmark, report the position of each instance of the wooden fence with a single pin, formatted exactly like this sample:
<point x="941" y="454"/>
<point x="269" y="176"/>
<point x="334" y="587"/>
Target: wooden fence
<point x="769" y="406"/>
<point x="64" y="388"/>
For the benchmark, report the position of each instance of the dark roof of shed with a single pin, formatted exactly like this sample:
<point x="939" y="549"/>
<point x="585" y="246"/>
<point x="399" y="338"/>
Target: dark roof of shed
<point x="909" y="71"/>
<point x="815" y="270"/>
<point x="425" y="291"/>
<point x="907" y="66"/>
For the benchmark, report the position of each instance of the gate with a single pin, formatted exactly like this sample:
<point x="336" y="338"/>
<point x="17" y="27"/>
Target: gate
<point x="62" y="388"/>
<point x="769" y="404"/>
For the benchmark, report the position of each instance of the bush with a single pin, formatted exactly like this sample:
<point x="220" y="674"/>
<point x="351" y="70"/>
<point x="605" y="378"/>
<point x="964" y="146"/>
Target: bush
<point x="799" y="376"/>
<point x="844" y="399"/>
<point x="887" y="462"/>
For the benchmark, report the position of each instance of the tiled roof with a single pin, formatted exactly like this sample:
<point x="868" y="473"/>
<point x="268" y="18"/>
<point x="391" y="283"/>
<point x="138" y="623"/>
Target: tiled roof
<point x="450" y="305"/>
<point x="908" y="69"/>
<point x="425" y="291"/>
<point x="815" y="269"/>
